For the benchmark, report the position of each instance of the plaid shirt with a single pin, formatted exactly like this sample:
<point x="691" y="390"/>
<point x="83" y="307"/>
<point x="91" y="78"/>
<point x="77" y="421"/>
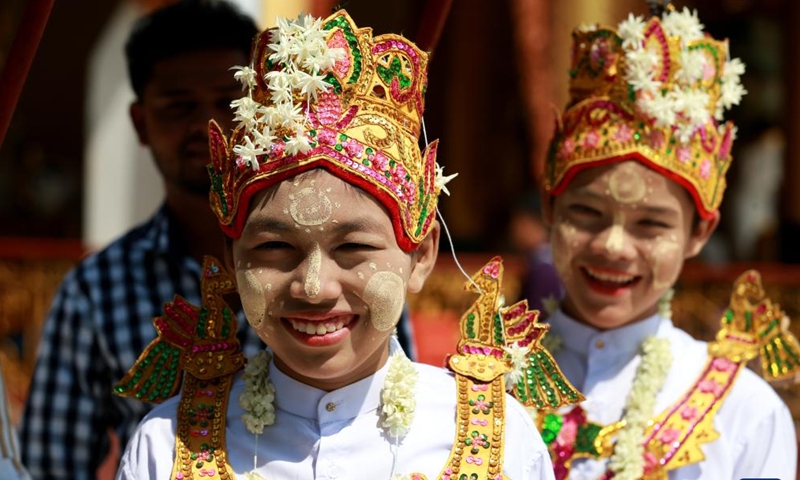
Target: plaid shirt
<point x="99" y="323"/>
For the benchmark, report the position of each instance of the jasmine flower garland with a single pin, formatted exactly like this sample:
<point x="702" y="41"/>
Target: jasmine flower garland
<point x="398" y="402"/>
<point x="398" y="396"/>
<point x="627" y="462"/>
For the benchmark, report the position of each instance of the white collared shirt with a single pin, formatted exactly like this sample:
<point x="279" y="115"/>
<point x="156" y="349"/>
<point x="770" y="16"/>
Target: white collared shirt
<point x="336" y="435"/>
<point x="757" y="437"/>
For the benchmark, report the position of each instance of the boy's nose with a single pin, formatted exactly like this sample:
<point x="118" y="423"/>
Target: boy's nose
<point x="316" y="281"/>
<point x="614" y="242"/>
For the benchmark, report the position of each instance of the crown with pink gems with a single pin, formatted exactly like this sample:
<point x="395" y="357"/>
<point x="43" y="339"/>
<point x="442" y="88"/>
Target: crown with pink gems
<point x="654" y="91"/>
<point x="327" y="94"/>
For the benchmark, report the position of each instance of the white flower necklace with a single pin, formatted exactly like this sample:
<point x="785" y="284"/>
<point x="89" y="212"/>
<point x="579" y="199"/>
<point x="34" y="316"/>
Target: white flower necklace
<point x="628" y="462"/>
<point x="398" y="403"/>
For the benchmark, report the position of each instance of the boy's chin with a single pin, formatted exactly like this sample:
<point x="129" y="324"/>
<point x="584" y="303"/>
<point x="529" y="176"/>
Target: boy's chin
<point x="610" y="316"/>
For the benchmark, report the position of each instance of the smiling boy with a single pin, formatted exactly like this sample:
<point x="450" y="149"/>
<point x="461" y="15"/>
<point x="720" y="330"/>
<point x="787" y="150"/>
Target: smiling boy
<point x="634" y="182"/>
<point x="329" y="206"/>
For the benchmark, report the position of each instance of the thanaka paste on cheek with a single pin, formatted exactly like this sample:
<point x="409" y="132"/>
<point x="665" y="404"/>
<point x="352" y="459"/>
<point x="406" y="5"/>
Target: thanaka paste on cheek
<point x="311" y="285"/>
<point x="665" y="253"/>
<point x="563" y="244"/>
<point x="384" y="296"/>
<point x="253" y="297"/>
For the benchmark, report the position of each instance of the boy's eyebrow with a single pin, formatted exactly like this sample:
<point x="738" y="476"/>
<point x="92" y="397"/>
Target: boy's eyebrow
<point x="271" y="224"/>
<point x="355" y="225"/>
<point x="658" y="210"/>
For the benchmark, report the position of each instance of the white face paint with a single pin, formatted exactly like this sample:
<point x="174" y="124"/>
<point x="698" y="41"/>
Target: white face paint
<point x="616" y="237"/>
<point x="311" y="284"/>
<point x="310" y="207"/>
<point x="626" y="185"/>
<point x="385" y="295"/>
<point x="254" y="301"/>
<point x="665" y="253"/>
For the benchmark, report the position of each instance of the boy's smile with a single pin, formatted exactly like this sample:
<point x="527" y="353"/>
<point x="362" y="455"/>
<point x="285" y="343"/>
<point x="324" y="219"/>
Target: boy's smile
<point x="620" y="234"/>
<point x="322" y="279"/>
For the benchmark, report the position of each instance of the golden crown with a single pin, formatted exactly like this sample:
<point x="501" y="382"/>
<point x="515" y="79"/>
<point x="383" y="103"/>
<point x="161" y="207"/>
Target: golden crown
<point x="653" y="91"/>
<point x="324" y="93"/>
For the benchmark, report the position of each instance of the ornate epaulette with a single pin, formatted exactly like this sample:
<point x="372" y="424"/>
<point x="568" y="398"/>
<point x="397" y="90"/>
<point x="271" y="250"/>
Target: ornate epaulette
<point x="200" y="344"/>
<point x="498" y="343"/>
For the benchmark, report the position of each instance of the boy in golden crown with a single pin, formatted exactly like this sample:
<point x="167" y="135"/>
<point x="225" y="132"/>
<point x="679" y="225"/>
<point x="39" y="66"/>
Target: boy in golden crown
<point x="634" y="180"/>
<point x="329" y="206"/>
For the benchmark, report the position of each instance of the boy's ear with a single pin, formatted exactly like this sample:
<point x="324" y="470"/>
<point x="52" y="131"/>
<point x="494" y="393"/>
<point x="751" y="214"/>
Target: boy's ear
<point x="424" y="259"/>
<point x="700" y="234"/>
<point x="136" y="111"/>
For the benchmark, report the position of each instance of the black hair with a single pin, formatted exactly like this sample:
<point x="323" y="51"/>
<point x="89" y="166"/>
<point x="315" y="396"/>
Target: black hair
<point x="185" y="27"/>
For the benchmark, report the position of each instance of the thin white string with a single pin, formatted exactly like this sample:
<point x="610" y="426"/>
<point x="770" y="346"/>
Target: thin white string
<point x="255" y="453"/>
<point x="394" y="455"/>
<point x="453" y="251"/>
<point x="446" y="230"/>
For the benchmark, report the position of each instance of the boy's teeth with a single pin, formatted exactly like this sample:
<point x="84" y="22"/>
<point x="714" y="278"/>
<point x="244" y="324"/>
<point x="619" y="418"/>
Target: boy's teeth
<point x="609" y="277"/>
<point x="316" y="328"/>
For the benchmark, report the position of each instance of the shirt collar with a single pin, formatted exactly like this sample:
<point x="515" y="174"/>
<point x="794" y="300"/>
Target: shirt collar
<point x="623" y="341"/>
<point x="162" y="238"/>
<point x="363" y="396"/>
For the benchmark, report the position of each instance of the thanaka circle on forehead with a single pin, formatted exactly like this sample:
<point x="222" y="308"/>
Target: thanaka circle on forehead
<point x="626" y="185"/>
<point x="570" y="175"/>
<point x="310" y="207"/>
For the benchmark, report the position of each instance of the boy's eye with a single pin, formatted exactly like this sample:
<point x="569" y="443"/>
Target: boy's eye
<point x="648" y="222"/>
<point x="353" y="246"/>
<point x="274" y="245"/>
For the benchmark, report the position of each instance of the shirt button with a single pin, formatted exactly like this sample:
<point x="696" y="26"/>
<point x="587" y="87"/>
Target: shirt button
<point x="600" y="344"/>
<point x="334" y="471"/>
<point x="330" y="406"/>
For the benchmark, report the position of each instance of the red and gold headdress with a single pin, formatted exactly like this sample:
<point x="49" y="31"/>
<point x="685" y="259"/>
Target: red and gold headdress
<point x="652" y="91"/>
<point x="324" y="93"/>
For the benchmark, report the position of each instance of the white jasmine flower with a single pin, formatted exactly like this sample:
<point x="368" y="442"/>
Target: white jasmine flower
<point x="246" y="109"/>
<point x="399" y="396"/>
<point x="258" y="397"/>
<point x="631" y="31"/>
<point x="731" y="93"/>
<point x="665" y="304"/>
<point x="249" y="152"/>
<point x="732" y="70"/>
<point x="518" y="356"/>
<point x="683" y="24"/>
<point x="263" y="138"/>
<point x="627" y="461"/>
<point x="661" y="108"/>
<point x="684" y="132"/>
<point x="695" y="106"/>
<point x="298" y="143"/>
<point x="288" y="115"/>
<point x="245" y="75"/>
<point x="692" y="63"/>
<point x="310" y="85"/>
<point x="442" y="180"/>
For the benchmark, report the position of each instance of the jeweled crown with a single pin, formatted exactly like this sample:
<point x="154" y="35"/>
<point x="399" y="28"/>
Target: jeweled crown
<point x="324" y="93"/>
<point x="653" y="91"/>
